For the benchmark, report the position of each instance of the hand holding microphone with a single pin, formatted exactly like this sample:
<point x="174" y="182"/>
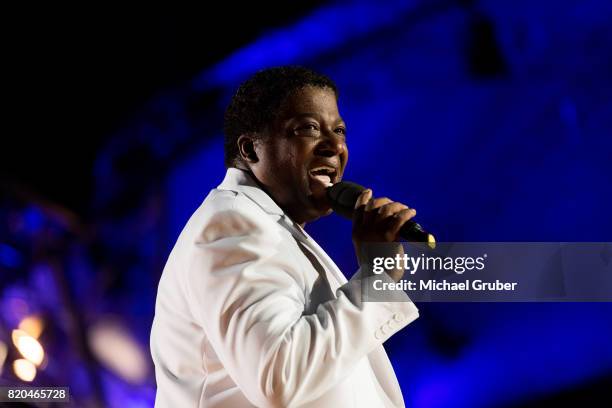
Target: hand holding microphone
<point x="344" y="196"/>
<point x="376" y="219"/>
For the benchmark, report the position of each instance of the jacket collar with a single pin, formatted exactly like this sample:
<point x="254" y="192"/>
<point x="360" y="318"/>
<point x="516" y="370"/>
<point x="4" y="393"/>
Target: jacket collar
<point x="242" y="181"/>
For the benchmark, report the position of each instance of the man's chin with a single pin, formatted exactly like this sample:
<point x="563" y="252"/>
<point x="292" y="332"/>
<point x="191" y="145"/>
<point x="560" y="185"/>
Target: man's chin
<point x="318" y="204"/>
<point x="320" y="207"/>
<point x="324" y="212"/>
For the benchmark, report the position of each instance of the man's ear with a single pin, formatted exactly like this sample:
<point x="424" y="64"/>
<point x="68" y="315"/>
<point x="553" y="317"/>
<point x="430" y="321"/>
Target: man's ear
<point x="246" y="149"/>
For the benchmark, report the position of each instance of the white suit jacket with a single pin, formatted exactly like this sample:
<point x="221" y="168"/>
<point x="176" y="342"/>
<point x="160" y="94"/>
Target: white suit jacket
<point x="250" y="311"/>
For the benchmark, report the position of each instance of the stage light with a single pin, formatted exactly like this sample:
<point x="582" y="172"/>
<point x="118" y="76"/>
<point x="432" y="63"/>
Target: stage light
<point x="33" y="325"/>
<point x="24" y="369"/>
<point x="28" y="346"/>
<point x="115" y="347"/>
<point x="3" y="353"/>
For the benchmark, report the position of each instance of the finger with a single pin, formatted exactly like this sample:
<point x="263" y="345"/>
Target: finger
<point x="405" y="214"/>
<point x="399" y="219"/>
<point x="363" y="198"/>
<point x="390" y="209"/>
<point x="377" y="203"/>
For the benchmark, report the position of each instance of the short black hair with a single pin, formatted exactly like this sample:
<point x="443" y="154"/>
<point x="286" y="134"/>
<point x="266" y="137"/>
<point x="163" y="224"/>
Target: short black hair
<point x="258" y="100"/>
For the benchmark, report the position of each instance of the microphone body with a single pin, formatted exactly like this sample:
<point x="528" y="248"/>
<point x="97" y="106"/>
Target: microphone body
<point x="343" y="196"/>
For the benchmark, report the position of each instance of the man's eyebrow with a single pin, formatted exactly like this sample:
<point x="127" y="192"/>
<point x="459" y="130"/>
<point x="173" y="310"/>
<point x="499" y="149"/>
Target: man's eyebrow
<point x="313" y="115"/>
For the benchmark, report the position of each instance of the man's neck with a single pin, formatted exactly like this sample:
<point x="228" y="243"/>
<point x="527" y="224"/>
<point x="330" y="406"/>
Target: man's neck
<point x="243" y="167"/>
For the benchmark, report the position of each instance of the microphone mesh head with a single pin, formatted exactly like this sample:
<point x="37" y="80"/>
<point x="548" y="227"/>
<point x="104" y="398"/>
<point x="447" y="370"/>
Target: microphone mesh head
<point x="343" y="196"/>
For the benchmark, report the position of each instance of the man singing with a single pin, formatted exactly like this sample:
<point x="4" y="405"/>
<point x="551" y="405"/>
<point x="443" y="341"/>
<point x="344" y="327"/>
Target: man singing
<point x="250" y="310"/>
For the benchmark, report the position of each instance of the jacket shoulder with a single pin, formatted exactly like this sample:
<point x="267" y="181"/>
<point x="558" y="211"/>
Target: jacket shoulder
<point x="226" y="213"/>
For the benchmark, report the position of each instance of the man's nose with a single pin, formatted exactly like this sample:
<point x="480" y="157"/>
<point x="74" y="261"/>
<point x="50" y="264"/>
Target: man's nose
<point x="332" y="145"/>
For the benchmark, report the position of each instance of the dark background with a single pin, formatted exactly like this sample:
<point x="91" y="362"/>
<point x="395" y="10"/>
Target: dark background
<point x="79" y="73"/>
<point x="492" y="118"/>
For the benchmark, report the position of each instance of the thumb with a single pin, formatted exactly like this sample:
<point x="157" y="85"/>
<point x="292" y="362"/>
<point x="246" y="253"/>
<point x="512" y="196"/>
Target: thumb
<point x="362" y="200"/>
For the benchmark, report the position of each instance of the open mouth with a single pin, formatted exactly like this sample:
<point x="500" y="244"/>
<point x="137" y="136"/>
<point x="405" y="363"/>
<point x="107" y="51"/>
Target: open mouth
<point x="324" y="174"/>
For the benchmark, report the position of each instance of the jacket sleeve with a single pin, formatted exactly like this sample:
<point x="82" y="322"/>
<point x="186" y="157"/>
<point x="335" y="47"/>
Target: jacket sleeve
<point x="250" y="303"/>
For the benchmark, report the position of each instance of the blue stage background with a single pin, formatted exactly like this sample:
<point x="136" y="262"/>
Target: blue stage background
<point x="492" y="118"/>
<point x="517" y="148"/>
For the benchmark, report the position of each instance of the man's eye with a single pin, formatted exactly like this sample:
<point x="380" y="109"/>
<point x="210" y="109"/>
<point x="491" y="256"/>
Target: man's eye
<point x="310" y="127"/>
<point x="341" y="131"/>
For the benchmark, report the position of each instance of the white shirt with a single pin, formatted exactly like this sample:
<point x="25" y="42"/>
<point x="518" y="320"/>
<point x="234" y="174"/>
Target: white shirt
<point x="250" y="311"/>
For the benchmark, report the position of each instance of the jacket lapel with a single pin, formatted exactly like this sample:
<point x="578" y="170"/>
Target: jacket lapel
<point x="241" y="181"/>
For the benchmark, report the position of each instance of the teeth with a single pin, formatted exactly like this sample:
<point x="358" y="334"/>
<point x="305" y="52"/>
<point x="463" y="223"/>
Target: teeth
<point x="326" y="180"/>
<point x="325" y="175"/>
<point x="328" y="169"/>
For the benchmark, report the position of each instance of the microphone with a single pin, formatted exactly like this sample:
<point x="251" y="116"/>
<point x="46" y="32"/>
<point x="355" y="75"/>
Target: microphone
<point x="343" y="196"/>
